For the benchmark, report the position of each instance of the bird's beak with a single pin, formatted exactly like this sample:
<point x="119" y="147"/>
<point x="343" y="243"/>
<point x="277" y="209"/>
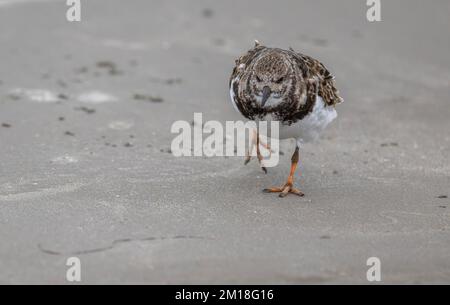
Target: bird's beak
<point x="265" y="95"/>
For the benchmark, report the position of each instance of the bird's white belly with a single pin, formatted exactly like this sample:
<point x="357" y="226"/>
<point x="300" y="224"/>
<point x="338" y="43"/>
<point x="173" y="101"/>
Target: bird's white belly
<point x="309" y="128"/>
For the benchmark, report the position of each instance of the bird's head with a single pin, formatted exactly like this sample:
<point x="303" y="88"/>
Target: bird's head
<point x="270" y="79"/>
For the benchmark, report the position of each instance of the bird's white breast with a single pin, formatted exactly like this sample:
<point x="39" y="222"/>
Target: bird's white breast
<point x="232" y="95"/>
<point x="306" y="130"/>
<point x="309" y="128"/>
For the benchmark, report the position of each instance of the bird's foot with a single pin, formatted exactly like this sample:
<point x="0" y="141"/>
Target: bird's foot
<point x="285" y="190"/>
<point x="248" y="158"/>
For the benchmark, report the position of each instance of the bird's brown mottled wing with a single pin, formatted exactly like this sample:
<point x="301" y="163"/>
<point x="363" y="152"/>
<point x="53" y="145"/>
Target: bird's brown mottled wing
<point x="314" y="69"/>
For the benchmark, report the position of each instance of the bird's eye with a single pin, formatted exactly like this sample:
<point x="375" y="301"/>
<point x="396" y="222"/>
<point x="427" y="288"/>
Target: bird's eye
<point x="280" y="80"/>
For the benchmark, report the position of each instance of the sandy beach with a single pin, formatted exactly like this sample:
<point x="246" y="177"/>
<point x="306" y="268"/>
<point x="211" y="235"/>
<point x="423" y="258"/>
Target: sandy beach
<point x="86" y="168"/>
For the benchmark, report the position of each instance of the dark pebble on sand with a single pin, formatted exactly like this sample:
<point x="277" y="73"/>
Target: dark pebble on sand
<point x="442" y="196"/>
<point x="172" y="81"/>
<point x="149" y="98"/>
<point x="392" y="144"/>
<point x="86" y="110"/>
<point x="207" y="13"/>
<point x="110" y="66"/>
<point x="106" y="64"/>
<point x="6" y="125"/>
<point x="14" y="96"/>
<point x="62" y="96"/>
<point x="167" y="81"/>
<point x="69" y="133"/>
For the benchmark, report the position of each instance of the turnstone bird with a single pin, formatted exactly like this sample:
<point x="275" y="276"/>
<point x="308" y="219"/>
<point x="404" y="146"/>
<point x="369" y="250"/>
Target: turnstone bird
<point x="271" y="84"/>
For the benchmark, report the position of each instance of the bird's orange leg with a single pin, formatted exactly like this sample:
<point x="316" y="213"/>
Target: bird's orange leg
<point x="289" y="185"/>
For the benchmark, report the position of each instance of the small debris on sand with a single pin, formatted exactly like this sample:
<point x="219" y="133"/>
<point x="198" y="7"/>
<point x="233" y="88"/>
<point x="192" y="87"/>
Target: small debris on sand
<point x="149" y="98"/>
<point x="63" y="96"/>
<point x="61" y="118"/>
<point x="207" y="13"/>
<point x="167" y="81"/>
<point x="110" y="66"/>
<point x="14" y="97"/>
<point x="106" y="64"/>
<point x="392" y="144"/>
<point x="82" y="70"/>
<point x="6" y="125"/>
<point x="86" y="110"/>
<point x="442" y="197"/>
<point x="172" y="81"/>
<point x="128" y="144"/>
<point x="69" y="133"/>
